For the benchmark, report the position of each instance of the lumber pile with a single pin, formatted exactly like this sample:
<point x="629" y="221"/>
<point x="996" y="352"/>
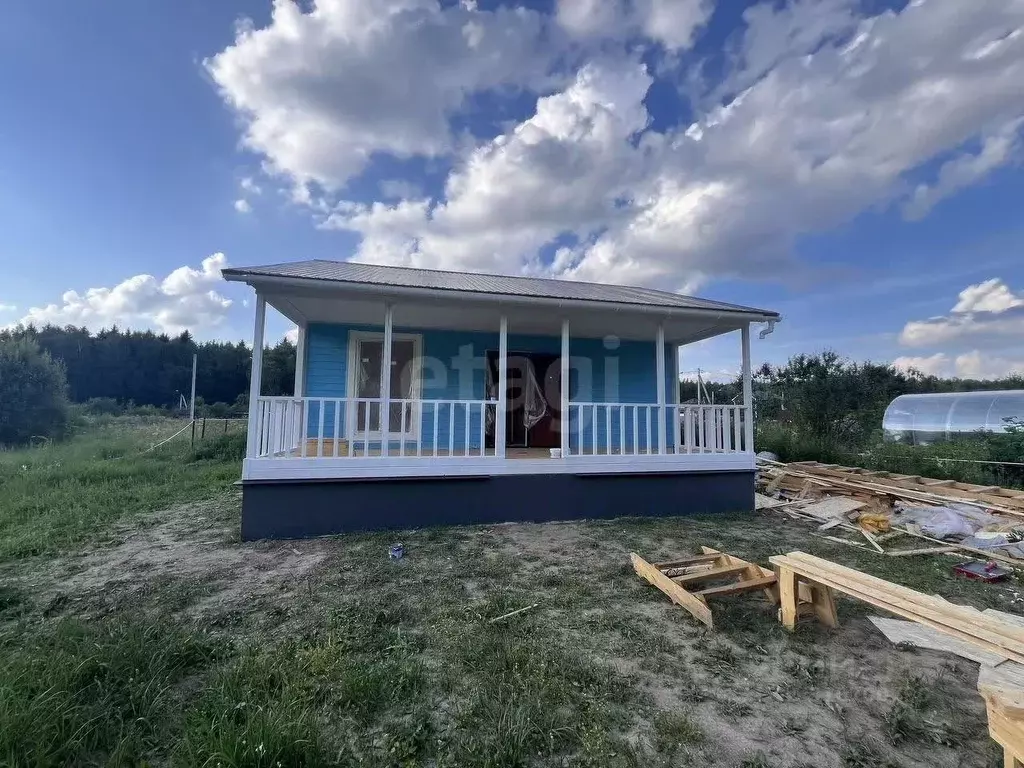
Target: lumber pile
<point x="865" y="508"/>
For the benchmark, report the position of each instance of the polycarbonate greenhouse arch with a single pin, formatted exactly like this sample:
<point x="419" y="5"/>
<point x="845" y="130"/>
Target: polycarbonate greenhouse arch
<point x="923" y="419"/>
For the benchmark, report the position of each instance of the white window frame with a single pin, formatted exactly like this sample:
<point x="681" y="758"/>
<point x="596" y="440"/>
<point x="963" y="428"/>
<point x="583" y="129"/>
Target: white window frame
<point x="351" y="386"/>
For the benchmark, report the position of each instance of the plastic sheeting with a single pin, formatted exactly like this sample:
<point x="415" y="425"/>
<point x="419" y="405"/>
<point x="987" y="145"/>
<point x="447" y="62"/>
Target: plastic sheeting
<point x="923" y="419"/>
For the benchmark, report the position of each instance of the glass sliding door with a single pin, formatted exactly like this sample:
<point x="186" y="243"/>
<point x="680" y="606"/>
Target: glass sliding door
<point x="368" y="352"/>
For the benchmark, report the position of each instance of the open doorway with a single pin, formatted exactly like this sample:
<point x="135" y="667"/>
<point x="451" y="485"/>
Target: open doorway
<point x="534" y="398"/>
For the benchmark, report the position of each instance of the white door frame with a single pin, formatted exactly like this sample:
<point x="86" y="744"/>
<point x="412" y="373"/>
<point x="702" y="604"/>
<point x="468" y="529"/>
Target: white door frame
<point x="351" y="386"/>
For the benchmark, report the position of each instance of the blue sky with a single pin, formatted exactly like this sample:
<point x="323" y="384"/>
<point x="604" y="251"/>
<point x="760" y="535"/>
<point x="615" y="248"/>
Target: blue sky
<point x="854" y="165"/>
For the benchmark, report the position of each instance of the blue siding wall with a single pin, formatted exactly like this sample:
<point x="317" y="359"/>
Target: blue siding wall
<point x="619" y="372"/>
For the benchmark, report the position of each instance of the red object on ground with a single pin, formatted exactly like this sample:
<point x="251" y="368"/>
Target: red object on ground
<point x="988" y="572"/>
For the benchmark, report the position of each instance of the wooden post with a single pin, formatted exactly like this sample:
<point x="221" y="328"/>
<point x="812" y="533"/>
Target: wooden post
<point x="674" y="421"/>
<point x="255" y="376"/>
<point x="748" y="392"/>
<point x="787" y="597"/>
<point x="202" y="432"/>
<point x="385" y="381"/>
<point x="660" y="367"/>
<point x="299" y="388"/>
<point x="564" y="387"/>
<point x="502" y="407"/>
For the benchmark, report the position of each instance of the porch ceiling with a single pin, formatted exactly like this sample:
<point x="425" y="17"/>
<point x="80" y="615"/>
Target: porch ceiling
<point x="459" y="313"/>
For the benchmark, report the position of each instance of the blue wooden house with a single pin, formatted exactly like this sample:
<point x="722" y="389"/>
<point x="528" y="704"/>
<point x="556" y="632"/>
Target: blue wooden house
<point x="502" y="398"/>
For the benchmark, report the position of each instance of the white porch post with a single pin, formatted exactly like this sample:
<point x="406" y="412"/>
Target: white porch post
<point x="499" y="414"/>
<point x="748" y="391"/>
<point x="564" y="387"/>
<point x="674" y="421"/>
<point x="256" y="377"/>
<point x="660" y="364"/>
<point x="300" y="363"/>
<point x="385" y="381"/>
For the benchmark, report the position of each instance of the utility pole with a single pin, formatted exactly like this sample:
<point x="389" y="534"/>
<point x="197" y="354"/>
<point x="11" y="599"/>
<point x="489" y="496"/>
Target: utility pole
<point x="192" y="402"/>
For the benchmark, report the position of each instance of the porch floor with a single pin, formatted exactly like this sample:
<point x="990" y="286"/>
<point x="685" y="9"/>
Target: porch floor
<point x="358" y="451"/>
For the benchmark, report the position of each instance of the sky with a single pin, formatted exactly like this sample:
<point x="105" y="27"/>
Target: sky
<point x="852" y="164"/>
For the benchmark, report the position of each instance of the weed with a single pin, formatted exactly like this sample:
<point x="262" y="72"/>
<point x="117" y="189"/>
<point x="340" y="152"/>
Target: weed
<point x="675" y="730"/>
<point x="757" y="760"/>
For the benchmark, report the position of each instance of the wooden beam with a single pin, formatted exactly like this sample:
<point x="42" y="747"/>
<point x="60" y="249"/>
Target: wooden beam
<point x="710" y="573"/>
<point x="738" y="588"/>
<point x="695" y="605"/>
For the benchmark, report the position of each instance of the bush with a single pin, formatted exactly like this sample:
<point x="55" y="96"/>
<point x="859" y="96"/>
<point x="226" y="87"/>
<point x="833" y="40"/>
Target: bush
<point x="33" y="393"/>
<point x="102" y="406"/>
<point x="221" y="448"/>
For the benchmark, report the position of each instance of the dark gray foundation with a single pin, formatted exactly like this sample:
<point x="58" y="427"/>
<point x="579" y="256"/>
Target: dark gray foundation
<point x="301" y="508"/>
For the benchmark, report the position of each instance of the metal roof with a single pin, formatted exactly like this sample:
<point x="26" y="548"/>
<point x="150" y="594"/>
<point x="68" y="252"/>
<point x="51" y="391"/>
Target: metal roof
<point x="500" y="285"/>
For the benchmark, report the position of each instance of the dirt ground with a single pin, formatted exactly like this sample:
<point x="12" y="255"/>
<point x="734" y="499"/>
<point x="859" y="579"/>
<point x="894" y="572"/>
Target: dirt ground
<point x="750" y="694"/>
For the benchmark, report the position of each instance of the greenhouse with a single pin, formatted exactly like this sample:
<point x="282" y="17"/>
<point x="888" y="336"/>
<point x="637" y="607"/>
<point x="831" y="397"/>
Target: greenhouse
<point x="924" y="419"/>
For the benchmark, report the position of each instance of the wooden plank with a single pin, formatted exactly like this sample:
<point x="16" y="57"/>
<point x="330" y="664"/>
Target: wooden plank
<point x="871" y="540"/>
<point x="901" y="631"/>
<point x="958" y="621"/>
<point x="833" y="507"/>
<point x="695" y="605"/>
<point x="738" y="588"/>
<point x="824" y="605"/>
<point x="922" y="551"/>
<point x="711" y="573"/>
<point x="753" y="571"/>
<point x="685" y="561"/>
<point x="879" y="589"/>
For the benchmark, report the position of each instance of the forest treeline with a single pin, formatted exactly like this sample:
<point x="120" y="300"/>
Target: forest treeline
<point x="147" y="368"/>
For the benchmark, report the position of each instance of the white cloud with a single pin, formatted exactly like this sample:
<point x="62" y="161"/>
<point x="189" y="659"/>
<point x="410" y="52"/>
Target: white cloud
<point x="186" y="299"/>
<point x="291" y="335"/>
<point x="990" y="296"/>
<point x="978" y="365"/>
<point x="820" y="115"/>
<point x="975" y="364"/>
<point x="321" y="91"/>
<point x="938" y="364"/>
<point x="988" y="312"/>
<point x="249" y="184"/>
<point x="673" y="23"/>
<point x="7" y="307"/>
<point x="242" y="206"/>
<point x="997" y="149"/>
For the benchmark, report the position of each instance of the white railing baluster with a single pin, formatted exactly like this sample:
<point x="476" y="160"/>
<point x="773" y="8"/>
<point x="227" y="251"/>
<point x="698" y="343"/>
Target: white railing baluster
<point x="636" y="431"/>
<point x="483" y="426"/>
<point x="437" y="418"/>
<point x="366" y="428"/>
<point x="622" y="430"/>
<point x="337" y="426"/>
<point x="608" y="430"/>
<point x="401" y="435"/>
<point x="727" y="430"/>
<point x="465" y="447"/>
<point x="320" y="430"/>
<point x="451" y="428"/>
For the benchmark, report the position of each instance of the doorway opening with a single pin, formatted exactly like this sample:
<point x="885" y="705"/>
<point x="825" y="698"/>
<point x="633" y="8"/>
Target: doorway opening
<point x="534" y="398"/>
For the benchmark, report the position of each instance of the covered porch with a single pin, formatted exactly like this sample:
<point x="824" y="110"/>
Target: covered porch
<point x="455" y="400"/>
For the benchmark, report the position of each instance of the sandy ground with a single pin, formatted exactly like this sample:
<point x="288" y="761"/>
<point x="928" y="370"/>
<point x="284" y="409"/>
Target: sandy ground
<point x="752" y="689"/>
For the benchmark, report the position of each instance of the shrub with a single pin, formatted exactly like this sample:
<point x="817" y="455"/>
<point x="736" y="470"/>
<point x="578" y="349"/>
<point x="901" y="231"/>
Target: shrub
<point x="33" y="393"/>
<point x="102" y="406"/>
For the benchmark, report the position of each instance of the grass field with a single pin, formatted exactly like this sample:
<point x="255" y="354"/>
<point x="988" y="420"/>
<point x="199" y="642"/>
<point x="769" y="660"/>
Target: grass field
<point x="135" y="628"/>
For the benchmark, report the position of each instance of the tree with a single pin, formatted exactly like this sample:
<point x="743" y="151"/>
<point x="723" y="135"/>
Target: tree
<point x="33" y="393"/>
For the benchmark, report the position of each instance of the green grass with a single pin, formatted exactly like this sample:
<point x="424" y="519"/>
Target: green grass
<point x="57" y="496"/>
<point x="368" y="662"/>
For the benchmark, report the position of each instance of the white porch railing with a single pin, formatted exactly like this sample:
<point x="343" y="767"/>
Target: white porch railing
<point x="633" y="429"/>
<point x="338" y="427"/>
<point x="326" y="427"/>
<point x="713" y="429"/>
